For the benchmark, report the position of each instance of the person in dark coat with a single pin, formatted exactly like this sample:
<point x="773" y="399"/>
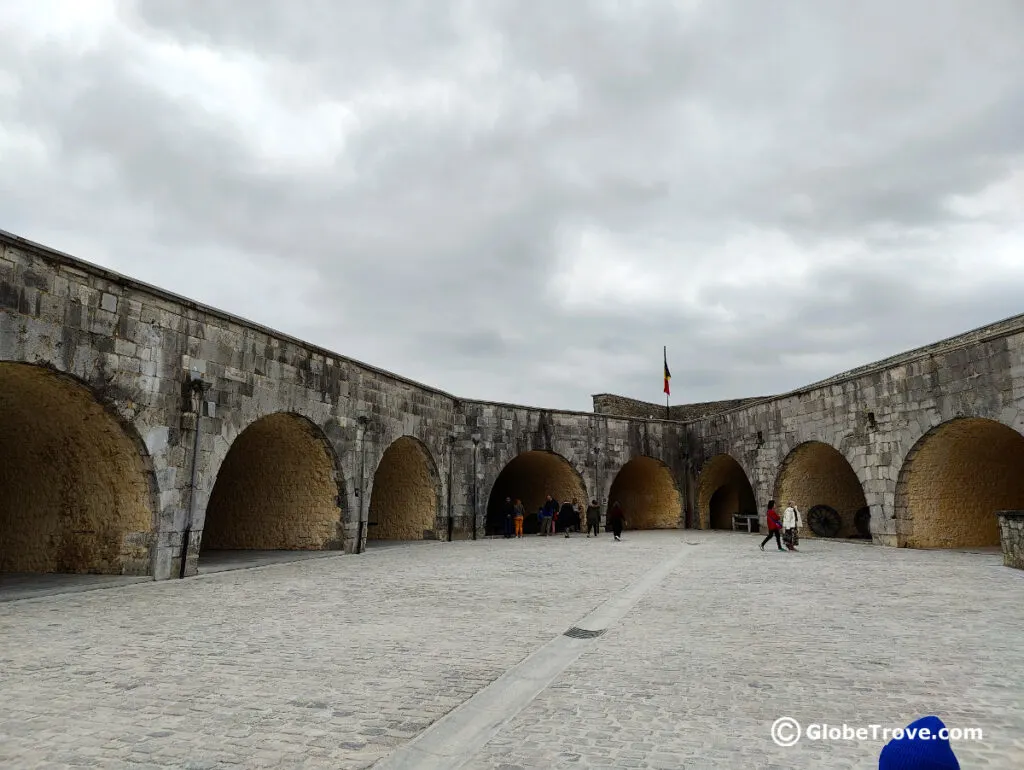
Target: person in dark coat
<point x="565" y="517"/>
<point x="509" y="512"/>
<point x="548" y="516"/>
<point x="593" y="517"/>
<point x="616" y="517"/>
<point x="569" y="518"/>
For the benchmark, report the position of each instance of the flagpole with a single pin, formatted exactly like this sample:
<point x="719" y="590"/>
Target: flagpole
<point x="668" y="411"/>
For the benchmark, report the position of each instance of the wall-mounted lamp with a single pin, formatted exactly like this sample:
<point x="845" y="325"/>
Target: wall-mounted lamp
<point x="195" y="387"/>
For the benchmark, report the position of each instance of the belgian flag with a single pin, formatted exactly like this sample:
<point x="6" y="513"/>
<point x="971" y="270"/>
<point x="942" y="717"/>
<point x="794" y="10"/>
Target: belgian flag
<point x="668" y="374"/>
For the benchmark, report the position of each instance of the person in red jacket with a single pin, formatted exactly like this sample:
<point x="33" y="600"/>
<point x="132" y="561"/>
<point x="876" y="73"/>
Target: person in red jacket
<point x="774" y="527"/>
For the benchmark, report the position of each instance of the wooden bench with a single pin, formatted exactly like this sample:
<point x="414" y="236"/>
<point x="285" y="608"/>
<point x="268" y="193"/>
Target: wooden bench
<point x="745" y="521"/>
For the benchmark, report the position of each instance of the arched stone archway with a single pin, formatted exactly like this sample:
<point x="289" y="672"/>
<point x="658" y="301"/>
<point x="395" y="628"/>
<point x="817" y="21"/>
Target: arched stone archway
<point x="723" y="489"/>
<point x="648" y="493"/>
<point x="277" y="489"/>
<point x="817" y="474"/>
<point x="953" y="481"/>
<point x="531" y="477"/>
<point x="406" y="493"/>
<point x="76" y="492"/>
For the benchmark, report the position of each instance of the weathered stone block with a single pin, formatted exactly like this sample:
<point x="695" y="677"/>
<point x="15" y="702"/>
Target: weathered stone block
<point x="108" y="302"/>
<point x="1011" y="537"/>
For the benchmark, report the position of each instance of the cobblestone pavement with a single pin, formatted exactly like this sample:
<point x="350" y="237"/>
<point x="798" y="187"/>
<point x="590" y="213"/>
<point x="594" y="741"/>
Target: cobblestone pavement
<point x="333" y="662"/>
<point x="836" y="634"/>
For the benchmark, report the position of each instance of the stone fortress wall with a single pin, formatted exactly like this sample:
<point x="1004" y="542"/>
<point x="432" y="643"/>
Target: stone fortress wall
<point x="140" y="428"/>
<point x="923" y="447"/>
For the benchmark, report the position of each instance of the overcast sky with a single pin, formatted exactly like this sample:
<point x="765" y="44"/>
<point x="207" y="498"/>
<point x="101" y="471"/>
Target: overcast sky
<point x="523" y="200"/>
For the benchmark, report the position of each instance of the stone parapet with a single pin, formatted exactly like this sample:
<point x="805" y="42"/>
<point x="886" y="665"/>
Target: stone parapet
<point x="1011" y="536"/>
<point x="621" y="406"/>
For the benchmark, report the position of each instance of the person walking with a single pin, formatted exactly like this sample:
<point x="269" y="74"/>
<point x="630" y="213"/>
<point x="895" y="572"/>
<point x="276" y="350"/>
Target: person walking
<point x="518" y="514"/>
<point x="593" y="517"/>
<point x="616" y="516"/>
<point x="774" y="526"/>
<point x="509" y="511"/>
<point x="791" y="521"/>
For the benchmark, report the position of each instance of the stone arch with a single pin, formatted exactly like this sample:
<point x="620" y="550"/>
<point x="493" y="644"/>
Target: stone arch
<point x="77" y="489"/>
<point x="723" y="489"/>
<point x="648" y="493"/>
<point x="278" y="488"/>
<point x="405" y="498"/>
<point x="532" y="476"/>
<point x="954" y="479"/>
<point x="817" y="474"/>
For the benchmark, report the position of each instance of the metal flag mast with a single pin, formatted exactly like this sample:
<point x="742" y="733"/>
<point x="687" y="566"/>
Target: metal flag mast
<point x="668" y="376"/>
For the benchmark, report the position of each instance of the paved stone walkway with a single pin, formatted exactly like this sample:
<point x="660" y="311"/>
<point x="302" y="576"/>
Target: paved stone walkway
<point x="335" y="662"/>
<point x="16" y="586"/>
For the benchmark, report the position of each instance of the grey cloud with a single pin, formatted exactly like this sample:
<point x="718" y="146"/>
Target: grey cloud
<point x="814" y="120"/>
<point x="358" y="42"/>
<point x="475" y="345"/>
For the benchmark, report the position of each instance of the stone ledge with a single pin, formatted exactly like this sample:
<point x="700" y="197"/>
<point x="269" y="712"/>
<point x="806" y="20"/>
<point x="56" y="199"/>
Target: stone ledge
<point x="1011" y="537"/>
<point x="1018" y="515"/>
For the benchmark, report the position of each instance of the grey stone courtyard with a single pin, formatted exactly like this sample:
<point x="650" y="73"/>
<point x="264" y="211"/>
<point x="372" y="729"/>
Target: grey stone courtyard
<point x="348" y="661"/>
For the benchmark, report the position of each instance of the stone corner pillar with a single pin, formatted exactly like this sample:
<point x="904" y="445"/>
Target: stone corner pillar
<point x="1011" y="537"/>
<point x="169" y="551"/>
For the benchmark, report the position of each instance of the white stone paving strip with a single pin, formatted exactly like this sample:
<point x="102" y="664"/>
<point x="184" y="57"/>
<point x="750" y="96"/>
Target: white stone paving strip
<point x="454" y="739"/>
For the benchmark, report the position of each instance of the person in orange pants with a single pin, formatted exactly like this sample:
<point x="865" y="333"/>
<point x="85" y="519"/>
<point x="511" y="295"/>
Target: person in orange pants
<point x="518" y="512"/>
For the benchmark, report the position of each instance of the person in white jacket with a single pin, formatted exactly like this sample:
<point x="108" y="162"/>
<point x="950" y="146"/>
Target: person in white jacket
<point x="790" y="526"/>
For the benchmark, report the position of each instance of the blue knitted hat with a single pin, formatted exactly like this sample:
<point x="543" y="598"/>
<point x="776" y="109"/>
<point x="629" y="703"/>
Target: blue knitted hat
<point x="917" y="753"/>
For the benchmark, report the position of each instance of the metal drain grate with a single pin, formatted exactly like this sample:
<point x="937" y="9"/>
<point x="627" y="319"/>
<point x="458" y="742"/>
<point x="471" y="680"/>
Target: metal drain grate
<point x="582" y="633"/>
